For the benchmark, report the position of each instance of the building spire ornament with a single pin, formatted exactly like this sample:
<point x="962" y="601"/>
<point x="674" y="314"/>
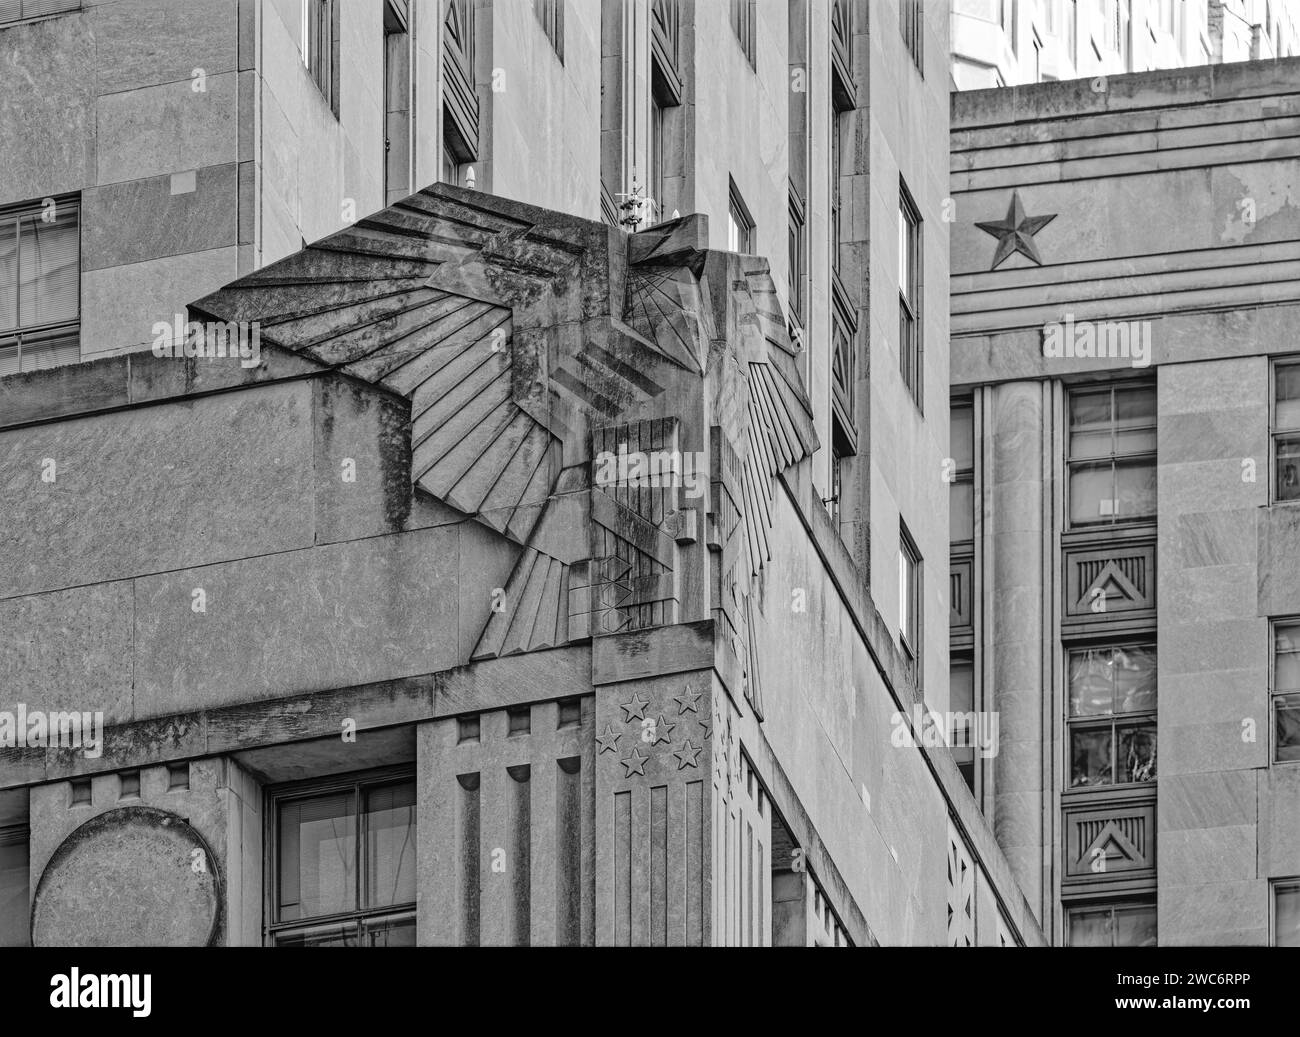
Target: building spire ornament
<point x="1016" y="232"/>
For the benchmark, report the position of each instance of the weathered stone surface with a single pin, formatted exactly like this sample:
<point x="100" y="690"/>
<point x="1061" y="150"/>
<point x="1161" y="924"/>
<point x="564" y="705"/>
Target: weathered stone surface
<point x="148" y="491"/>
<point x="310" y="619"/>
<point x="169" y="128"/>
<point x="47" y="134"/>
<point x="161" y="223"/>
<point x="140" y="43"/>
<point x="107" y="883"/>
<point x="69" y="650"/>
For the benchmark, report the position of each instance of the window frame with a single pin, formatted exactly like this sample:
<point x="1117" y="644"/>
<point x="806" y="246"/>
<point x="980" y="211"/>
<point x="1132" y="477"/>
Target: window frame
<point x="1274" y="695"/>
<point x="1275" y="433"/>
<point x="1111" y="721"/>
<point x="744" y="27"/>
<point x="911" y="332"/>
<point x="323" y="71"/>
<point x="550" y="16"/>
<point x="909" y="606"/>
<point x="1071" y="461"/>
<point x="1290" y="885"/>
<point x="55" y="329"/>
<point x="911" y="24"/>
<point x="72" y="7"/>
<point x="738" y="216"/>
<point x="1126" y="903"/>
<point x="356" y="782"/>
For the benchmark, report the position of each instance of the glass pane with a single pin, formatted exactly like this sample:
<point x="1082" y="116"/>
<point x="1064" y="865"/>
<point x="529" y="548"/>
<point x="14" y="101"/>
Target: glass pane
<point x="50" y="349"/>
<point x="14" y="898"/>
<point x="1135" y="441"/>
<point x="1286" y="383"/>
<point x="342" y="935"/>
<point x="1090" y="928"/>
<point x="391" y="934"/>
<point x="1135" y="489"/>
<point x="1090" y="757"/>
<point x="961" y="437"/>
<point x="961" y="511"/>
<point x="1091" y="494"/>
<point x="1135" y="406"/>
<point x="1286" y="719"/>
<point x="961" y="686"/>
<point x="1135" y="926"/>
<point x="1090" y="412"/>
<point x="1286" y="657"/>
<point x="48" y="269"/>
<point x="903" y="259"/>
<point x="1092" y="682"/>
<point x="390" y="845"/>
<point x="8" y="357"/>
<point x="1137" y="753"/>
<point x="1288" y="467"/>
<point x="8" y="274"/>
<point x="1135" y="680"/>
<point x="1087" y="445"/>
<point x="1286" y="916"/>
<point x="317" y="856"/>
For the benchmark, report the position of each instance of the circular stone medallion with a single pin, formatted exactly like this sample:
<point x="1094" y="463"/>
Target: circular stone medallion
<point x="131" y="877"/>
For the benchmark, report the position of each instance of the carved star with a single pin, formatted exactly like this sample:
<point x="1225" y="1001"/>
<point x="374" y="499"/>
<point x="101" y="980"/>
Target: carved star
<point x="687" y="701"/>
<point x="635" y="763"/>
<point x="1016" y="233"/>
<point x="662" y="727"/>
<point x="693" y="751"/>
<point x="634" y="709"/>
<point x="608" y="742"/>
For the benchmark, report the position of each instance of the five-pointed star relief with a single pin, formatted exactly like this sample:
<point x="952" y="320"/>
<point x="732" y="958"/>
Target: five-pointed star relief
<point x="1016" y="232"/>
<point x="693" y="751"/>
<point x="634" y="709"/>
<point x="662" y="727"/>
<point x="688" y="701"/>
<point x="635" y="762"/>
<point x="608" y="742"/>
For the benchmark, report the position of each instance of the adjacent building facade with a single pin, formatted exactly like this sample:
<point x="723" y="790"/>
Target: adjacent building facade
<point x="1123" y="350"/>
<point x="521" y="561"/>
<point x="1017" y="42"/>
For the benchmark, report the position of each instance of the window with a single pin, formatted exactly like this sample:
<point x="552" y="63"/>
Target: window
<point x="839" y="122"/>
<point x="40" y="285"/>
<point x="18" y="10"/>
<point x="961" y="487"/>
<point x="397" y="103"/>
<point x="911" y="20"/>
<point x="1112" y="715"/>
<point x="1286" y="432"/>
<point x="320" y="42"/>
<point x="1286" y="691"/>
<point x="655" y="201"/>
<point x="740" y="226"/>
<point x="551" y="14"/>
<point x="742" y="22"/>
<point x="909" y="594"/>
<point x="1126" y="924"/>
<point x="344" y="863"/>
<point x="14" y="892"/>
<point x="910" y="346"/>
<point x="961" y="694"/>
<point x="796" y="247"/>
<point x="837" y="481"/>
<point x="1286" y="913"/>
<point x="1112" y="455"/>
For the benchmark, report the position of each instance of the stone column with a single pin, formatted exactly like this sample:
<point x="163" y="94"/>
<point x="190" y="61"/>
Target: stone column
<point x="1017" y="621"/>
